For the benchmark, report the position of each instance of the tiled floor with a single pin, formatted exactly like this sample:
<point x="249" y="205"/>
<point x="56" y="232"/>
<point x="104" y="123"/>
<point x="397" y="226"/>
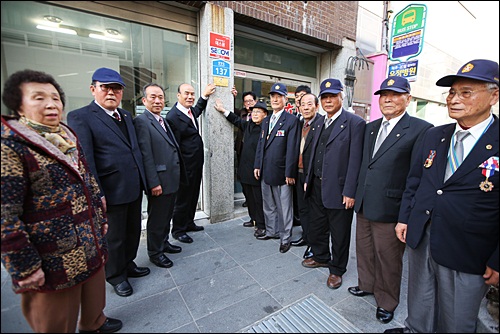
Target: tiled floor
<point x="225" y="281"/>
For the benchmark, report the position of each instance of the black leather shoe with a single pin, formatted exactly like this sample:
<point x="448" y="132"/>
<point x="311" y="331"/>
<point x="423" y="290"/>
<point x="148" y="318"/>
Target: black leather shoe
<point x="172" y="249"/>
<point x="244" y="204"/>
<point x="138" y="272"/>
<point x="161" y="261"/>
<point x="384" y="316"/>
<point x="110" y="325"/>
<point x="298" y="243"/>
<point x="284" y="248"/>
<point x="259" y="233"/>
<point x="194" y="228"/>
<point x="248" y="224"/>
<point x="123" y="289"/>
<point x="308" y="253"/>
<point x="184" y="238"/>
<point x="357" y="292"/>
<point x="266" y="237"/>
<point x="395" y="330"/>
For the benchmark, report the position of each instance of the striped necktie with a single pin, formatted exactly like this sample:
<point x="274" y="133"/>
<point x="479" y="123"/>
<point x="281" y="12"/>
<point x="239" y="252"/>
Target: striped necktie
<point x="381" y="137"/>
<point x="116" y="116"/>
<point x="456" y="154"/>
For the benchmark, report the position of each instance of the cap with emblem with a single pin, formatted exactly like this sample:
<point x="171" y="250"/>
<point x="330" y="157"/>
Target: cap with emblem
<point x="396" y="84"/>
<point x="279" y="88"/>
<point x="332" y="86"/>
<point x="107" y="76"/>
<point x="478" y="69"/>
<point x="260" y="105"/>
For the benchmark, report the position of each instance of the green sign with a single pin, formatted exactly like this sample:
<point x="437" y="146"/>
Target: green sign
<point x="408" y="32"/>
<point x="409" y="19"/>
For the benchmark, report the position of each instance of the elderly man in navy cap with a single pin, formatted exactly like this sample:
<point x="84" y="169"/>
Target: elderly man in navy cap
<point x="388" y="152"/>
<point x="110" y="143"/>
<point x="276" y="165"/>
<point x="331" y="178"/>
<point x="450" y="208"/>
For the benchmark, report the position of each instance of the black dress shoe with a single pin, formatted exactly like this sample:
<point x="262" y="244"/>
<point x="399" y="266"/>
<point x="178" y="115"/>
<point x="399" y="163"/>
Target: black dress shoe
<point x="259" y="233"/>
<point x="244" y="204"/>
<point x="384" y="316"/>
<point x="194" y="228"/>
<point x="357" y="292"/>
<point x="138" y="272"/>
<point x="308" y="253"/>
<point x="266" y="237"/>
<point x="110" y="325"/>
<point x="123" y="289"/>
<point x="284" y="248"/>
<point x="395" y="330"/>
<point x="248" y="224"/>
<point x="184" y="238"/>
<point x="298" y="243"/>
<point x="172" y="249"/>
<point x="161" y="261"/>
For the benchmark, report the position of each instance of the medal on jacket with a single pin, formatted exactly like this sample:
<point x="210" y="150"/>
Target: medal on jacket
<point x="489" y="167"/>
<point x="430" y="159"/>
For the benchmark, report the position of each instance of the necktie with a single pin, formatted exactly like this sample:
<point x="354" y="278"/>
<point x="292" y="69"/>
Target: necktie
<point x="456" y="154"/>
<point x="381" y="137"/>
<point x="272" y="123"/>
<point x="192" y="118"/>
<point x="162" y="123"/>
<point x="305" y="131"/>
<point x="116" y="116"/>
<point x="328" y="121"/>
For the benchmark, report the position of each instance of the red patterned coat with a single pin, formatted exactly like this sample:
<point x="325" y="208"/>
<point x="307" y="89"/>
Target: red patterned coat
<point x="52" y="214"/>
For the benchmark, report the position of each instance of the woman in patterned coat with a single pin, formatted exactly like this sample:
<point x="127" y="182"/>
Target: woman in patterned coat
<point x="53" y="220"/>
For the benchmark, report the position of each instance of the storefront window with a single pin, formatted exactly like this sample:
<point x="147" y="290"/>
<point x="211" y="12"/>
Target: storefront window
<point x="71" y="45"/>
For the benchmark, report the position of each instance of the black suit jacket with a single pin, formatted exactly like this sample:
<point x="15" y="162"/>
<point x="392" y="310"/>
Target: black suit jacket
<point x="188" y="136"/>
<point x="115" y="161"/>
<point x="251" y="133"/>
<point x="306" y="153"/>
<point x="382" y="179"/>
<point x="464" y="218"/>
<point x="160" y="152"/>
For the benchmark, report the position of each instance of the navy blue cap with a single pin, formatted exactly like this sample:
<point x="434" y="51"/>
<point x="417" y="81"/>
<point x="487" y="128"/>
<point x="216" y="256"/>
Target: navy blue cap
<point x="107" y="76"/>
<point x="478" y="69"/>
<point x="396" y="84"/>
<point x="279" y="88"/>
<point x="260" y="105"/>
<point x="332" y="86"/>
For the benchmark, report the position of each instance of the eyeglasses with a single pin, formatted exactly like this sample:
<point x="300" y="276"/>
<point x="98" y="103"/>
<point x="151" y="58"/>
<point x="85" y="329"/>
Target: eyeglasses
<point x="462" y="94"/>
<point x="106" y="88"/>
<point x="248" y="101"/>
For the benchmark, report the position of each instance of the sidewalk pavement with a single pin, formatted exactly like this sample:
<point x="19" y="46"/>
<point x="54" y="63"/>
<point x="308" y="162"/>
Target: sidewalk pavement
<point x="225" y="281"/>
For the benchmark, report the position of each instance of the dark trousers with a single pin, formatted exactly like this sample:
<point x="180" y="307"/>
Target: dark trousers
<point x="186" y="203"/>
<point x="379" y="255"/>
<point x="160" y="212"/>
<point x="254" y="201"/>
<point x="124" y="235"/>
<point x="325" y="224"/>
<point x="303" y="206"/>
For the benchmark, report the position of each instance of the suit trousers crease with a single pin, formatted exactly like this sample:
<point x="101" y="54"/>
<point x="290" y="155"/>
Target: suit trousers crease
<point x="278" y="211"/>
<point x="440" y="299"/>
<point x="124" y="235"/>
<point x="160" y="211"/>
<point x="326" y="224"/>
<point x="253" y="196"/>
<point x="379" y="256"/>
<point x="186" y="202"/>
<point x="43" y="310"/>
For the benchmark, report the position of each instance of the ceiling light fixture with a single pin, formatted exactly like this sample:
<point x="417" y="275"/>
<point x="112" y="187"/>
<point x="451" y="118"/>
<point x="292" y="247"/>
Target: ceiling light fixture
<point x="53" y="19"/>
<point x="112" y="31"/>
<point x="105" y="38"/>
<point x="57" y="29"/>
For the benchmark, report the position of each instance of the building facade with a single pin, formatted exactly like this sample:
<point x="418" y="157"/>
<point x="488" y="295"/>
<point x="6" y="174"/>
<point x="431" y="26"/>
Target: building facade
<point x="168" y="42"/>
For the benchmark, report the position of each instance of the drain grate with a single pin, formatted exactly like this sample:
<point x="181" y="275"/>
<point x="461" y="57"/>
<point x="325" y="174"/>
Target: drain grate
<point x="310" y="315"/>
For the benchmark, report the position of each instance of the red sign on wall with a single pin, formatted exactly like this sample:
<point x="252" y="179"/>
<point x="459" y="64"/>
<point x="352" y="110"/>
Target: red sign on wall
<point x="220" y="46"/>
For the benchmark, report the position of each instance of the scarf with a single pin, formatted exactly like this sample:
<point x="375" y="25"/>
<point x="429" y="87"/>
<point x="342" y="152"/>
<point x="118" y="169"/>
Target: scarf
<point x="55" y="135"/>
